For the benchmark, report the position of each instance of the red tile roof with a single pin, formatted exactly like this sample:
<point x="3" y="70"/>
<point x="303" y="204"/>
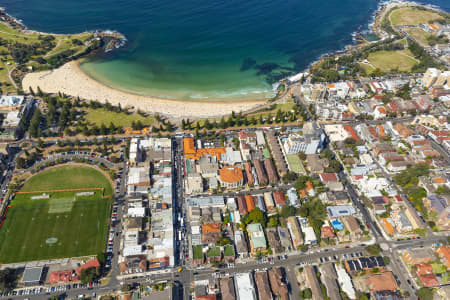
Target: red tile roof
<point x="429" y="280"/>
<point x="62" y="276"/>
<point x="326" y="177"/>
<point x="279" y="198"/>
<point x="424" y="269"/>
<point x="352" y="132"/>
<point x="94" y="263"/>
<point x="326" y="231"/>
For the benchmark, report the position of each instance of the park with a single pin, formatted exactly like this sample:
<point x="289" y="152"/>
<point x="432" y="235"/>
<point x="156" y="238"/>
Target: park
<point x="60" y="212"/>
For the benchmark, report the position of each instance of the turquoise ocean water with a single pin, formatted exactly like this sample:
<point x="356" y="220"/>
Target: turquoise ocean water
<point x="204" y="49"/>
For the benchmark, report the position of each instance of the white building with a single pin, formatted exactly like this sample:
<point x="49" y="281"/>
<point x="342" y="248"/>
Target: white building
<point x="245" y="289"/>
<point x="345" y="282"/>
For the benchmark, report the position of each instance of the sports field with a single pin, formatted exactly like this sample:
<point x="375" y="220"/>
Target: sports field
<point x="403" y="60"/>
<point x="412" y="16"/>
<point x="47" y="225"/>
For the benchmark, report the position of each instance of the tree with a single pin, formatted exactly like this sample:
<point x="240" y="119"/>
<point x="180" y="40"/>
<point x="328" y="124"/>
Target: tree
<point x="306" y="294"/>
<point x="20" y="163"/>
<point x="425" y="294"/>
<point x="35" y="123"/>
<point x="8" y="279"/>
<point x="301" y="182"/>
<point x="255" y="216"/>
<point x="41" y="143"/>
<point x="363" y="297"/>
<point x="289" y="177"/>
<point x="89" y="275"/>
<point x="273" y="222"/>
<point x="101" y="258"/>
<point x="374" y="250"/>
<point x="302" y="155"/>
<point x="287" y="211"/>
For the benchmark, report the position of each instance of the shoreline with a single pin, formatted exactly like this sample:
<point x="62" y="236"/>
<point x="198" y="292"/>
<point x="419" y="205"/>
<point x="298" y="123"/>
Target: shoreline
<point x="77" y="65"/>
<point x="71" y="80"/>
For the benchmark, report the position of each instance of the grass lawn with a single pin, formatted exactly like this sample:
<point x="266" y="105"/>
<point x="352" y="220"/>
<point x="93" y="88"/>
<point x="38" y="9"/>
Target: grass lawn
<point x="65" y="225"/>
<point x="6" y="85"/>
<point x="412" y="16"/>
<point x="284" y="107"/>
<point x="419" y="35"/>
<point x="388" y="60"/>
<point x="213" y="252"/>
<point x="295" y="164"/>
<point x="101" y="115"/>
<point x="438" y="268"/>
<point x="9" y="33"/>
<point x="197" y="252"/>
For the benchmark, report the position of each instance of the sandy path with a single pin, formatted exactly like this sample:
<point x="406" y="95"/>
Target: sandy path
<point x="69" y="79"/>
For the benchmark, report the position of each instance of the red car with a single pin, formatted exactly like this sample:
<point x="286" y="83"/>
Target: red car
<point x="347" y="247"/>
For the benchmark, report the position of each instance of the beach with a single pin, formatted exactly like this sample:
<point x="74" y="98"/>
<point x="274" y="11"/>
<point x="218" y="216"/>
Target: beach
<point x="70" y="80"/>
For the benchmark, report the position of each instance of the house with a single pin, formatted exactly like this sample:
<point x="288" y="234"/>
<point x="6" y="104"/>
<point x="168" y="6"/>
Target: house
<point x="227" y="288"/>
<point x="231" y="177"/>
<point x="429" y="281"/>
<point x="242" y="205"/>
<point x="435" y="203"/>
<point x="345" y="281"/>
<point x="423" y="102"/>
<point x="268" y="201"/>
<point x="328" y="277"/>
<point x="241" y="243"/>
<point x="257" y="238"/>
<point x="444" y="254"/>
<point x="327" y="177"/>
<point x="277" y="153"/>
<point x="295" y="231"/>
<point x="262" y="284"/>
<point x="260" y="172"/>
<point x="249" y="174"/>
<point x="310" y="278"/>
<point x="423" y="269"/>
<point x="381" y="282"/>
<point x="335" y="198"/>
<point x="137" y="264"/>
<point x="271" y="171"/>
<point x="245" y="288"/>
<point x="279" y="287"/>
<point x="285" y="238"/>
<point x="210" y="233"/>
<point x="250" y="203"/>
<point x="353" y="227"/>
<point x="417" y="256"/>
<point x="402" y="130"/>
<point x="327" y="232"/>
<point x="379" y="113"/>
<point x="279" y="198"/>
<point x="316" y="164"/>
<point x="274" y="240"/>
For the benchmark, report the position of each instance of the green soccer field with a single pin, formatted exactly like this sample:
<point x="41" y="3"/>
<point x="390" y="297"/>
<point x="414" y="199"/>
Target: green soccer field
<point x="63" y="225"/>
